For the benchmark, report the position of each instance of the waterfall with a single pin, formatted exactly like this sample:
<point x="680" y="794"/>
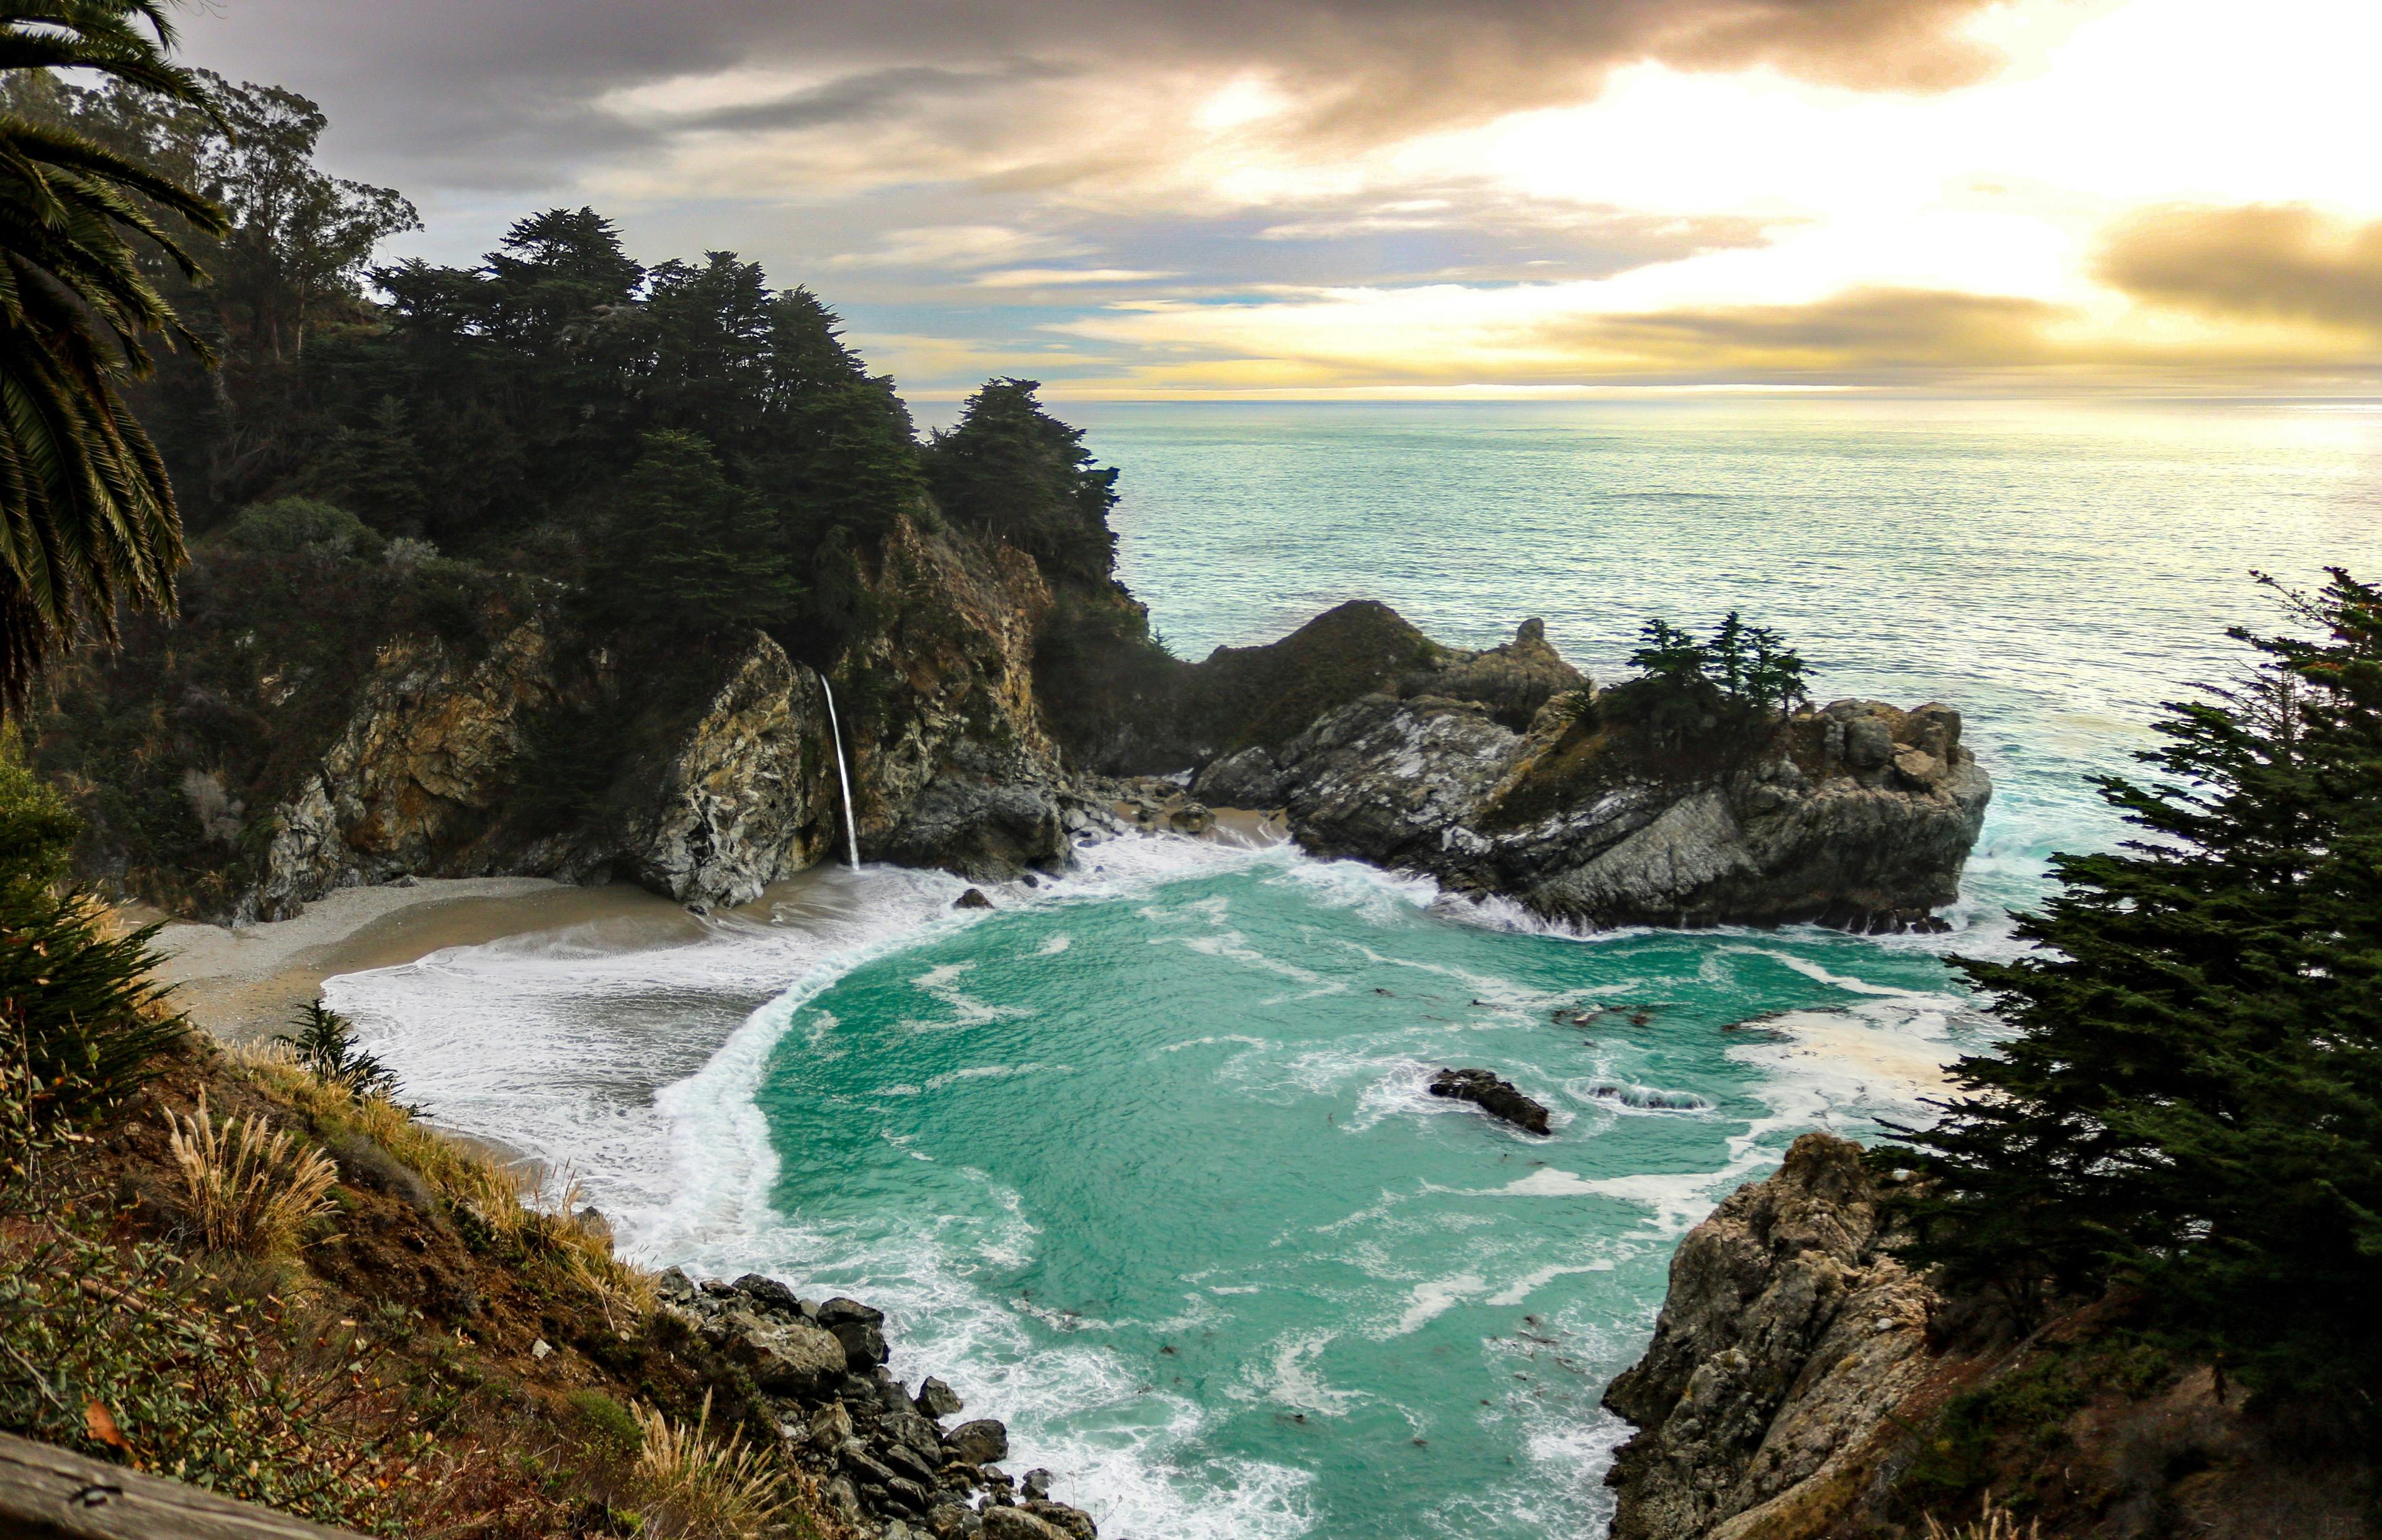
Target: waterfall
<point x="842" y="775"/>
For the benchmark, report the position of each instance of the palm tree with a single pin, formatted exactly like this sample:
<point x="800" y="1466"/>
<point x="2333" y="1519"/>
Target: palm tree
<point x="87" y="515"/>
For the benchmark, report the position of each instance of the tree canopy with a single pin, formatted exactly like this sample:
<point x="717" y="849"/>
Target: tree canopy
<point x="2191" y="1104"/>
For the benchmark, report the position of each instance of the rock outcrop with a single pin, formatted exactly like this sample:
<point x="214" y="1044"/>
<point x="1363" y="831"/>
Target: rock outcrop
<point x="1499" y="1098"/>
<point x="952" y="763"/>
<point x="881" y="1455"/>
<point x="419" y="783"/>
<point x="1612" y="809"/>
<point x="1787" y="1339"/>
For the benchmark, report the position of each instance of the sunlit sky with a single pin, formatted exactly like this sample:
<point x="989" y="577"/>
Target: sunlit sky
<point x="1168" y="197"/>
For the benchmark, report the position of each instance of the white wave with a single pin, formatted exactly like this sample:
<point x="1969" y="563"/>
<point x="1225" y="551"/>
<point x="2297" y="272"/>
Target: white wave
<point x="1434" y="1297"/>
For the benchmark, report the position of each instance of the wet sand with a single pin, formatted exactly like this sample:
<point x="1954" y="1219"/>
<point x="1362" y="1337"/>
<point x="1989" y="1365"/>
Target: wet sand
<point x="248" y="982"/>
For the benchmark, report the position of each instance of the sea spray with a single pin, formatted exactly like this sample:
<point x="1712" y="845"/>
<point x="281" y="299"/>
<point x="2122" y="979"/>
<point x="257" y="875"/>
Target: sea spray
<point x="842" y="775"/>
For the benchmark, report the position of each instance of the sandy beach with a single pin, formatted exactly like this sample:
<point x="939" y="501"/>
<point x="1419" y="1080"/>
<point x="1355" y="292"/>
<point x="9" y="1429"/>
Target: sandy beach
<point x="248" y="981"/>
<point x="245" y="982"/>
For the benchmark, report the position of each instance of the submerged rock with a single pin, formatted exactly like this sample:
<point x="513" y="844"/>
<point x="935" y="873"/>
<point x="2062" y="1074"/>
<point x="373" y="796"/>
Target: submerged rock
<point x="1499" y="1098"/>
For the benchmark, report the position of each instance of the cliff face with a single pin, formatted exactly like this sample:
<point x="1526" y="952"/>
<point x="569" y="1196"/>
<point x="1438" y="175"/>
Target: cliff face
<point x="957" y="766"/>
<point x="421" y="780"/>
<point x="1505" y="772"/>
<point x="1803" y="1385"/>
<point x="1784" y="1341"/>
<point x="437" y="748"/>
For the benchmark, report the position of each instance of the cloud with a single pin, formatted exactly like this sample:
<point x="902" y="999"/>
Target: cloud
<point x="510" y="92"/>
<point x="1044" y="277"/>
<point x="2287" y="262"/>
<point x="1450" y="336"/>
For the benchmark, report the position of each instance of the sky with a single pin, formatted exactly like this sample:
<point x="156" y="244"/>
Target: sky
<point x="1424" y="198"/>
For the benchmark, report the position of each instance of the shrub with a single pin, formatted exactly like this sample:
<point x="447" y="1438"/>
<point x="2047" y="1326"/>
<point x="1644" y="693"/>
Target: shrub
<point x="696" y="1485"/>
<point x="325" y="1043"/>
<point x="300" y="523"/>
<point x="1992" y="1524"/>
<point x="37" y="829"/>
<point x="249" y="1187"/>
<point x="190" y="1384"/>
<point x="608" y="1424"/>
<point x="79" y="1012"/>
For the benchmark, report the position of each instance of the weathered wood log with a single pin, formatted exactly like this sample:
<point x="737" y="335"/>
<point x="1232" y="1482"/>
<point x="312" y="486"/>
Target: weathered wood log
<point x="47" y="1493"/>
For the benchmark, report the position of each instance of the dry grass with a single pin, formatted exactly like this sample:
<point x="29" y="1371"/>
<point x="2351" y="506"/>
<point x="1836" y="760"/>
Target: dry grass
<point x="502" y="1196"/>
<point x="1992" y="1522"/>
<point x="249" y="1188"/>
<point x="702" y="1488"/>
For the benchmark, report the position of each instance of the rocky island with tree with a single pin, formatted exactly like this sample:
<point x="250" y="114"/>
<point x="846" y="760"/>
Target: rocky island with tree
<point x="315" y="573"/>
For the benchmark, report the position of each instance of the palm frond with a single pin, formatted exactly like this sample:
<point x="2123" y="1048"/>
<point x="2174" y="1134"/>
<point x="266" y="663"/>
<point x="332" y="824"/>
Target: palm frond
<point x="88" y="521"/>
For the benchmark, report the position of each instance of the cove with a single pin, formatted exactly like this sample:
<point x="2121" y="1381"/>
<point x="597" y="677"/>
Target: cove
<point x="1152" y="1175"/>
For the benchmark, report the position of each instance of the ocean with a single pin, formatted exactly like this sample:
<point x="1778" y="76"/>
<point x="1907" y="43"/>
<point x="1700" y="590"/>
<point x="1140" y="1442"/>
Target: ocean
<point x="1141" y="1161"/>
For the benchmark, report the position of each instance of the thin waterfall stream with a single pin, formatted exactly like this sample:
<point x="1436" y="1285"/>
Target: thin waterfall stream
<point x="842" y="775"/>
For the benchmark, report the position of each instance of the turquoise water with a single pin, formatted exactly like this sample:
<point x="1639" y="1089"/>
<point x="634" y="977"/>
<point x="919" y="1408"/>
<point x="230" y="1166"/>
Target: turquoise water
<point x="1142" y="1162"/>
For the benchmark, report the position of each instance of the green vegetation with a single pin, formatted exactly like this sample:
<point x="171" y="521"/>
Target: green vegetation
<point x="2191" y="1107"/>
<point x="81" y="1021"/>
<point x="326" y="1044"/>
<point x="1011" y="471"/>
<point x="87" y="514"/>
<point x="1749" y="664"/>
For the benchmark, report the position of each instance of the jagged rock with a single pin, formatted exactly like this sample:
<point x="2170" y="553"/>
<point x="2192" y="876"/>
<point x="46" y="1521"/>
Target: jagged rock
<point x="937" y="1400"/>
<point x="1859" y="815"/>
<point x="1390" y="780"/>
<point x="864" y="1344"/>
<point x="972" y="898"/>
<point x="750" y="796"/>
<point x="1512" y="681"/>
<point x="1037" y="1482"/>
<point x="1249" y="778"/>
<point x="831" y="1425"/>
<point x="674" y="1286"/>
<point x="1786" y="1338"/>
<point x="785" y="1357"/>
<point x="770" y="1297"/>
<point x="1059" y="1516"/>
<point x="959" y="770"/>
<point x="979" y="1443"/>
<point x="1497" y="1097"/>
<point x="838" y="1310"/>
<point x="1016" y="1523"/>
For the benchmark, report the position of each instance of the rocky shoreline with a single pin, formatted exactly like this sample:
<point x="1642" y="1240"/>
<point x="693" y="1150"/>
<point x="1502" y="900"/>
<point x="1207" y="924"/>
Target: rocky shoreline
<point x="880" y="1453"/>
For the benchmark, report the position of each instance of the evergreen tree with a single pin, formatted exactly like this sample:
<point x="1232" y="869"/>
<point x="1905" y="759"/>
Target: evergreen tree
<point x="2192" y="1103"/>
<point x="1011" y="471"/>
<point x="688" y="550"/>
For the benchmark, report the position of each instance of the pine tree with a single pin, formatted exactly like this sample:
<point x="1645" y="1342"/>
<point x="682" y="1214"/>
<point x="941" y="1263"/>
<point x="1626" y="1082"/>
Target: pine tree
<point x="2192" y="1103"/>
<point x="1011" y="471"/>
<point x="689" y="550"/>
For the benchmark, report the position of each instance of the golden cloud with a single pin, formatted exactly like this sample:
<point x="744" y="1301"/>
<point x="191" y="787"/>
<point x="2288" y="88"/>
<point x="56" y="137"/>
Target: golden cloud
<point x="2286" y="262"/>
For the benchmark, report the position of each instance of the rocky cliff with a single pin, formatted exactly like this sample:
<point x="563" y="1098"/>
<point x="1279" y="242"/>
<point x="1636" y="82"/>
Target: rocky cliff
<point x="461" y="722"/>
<point x="1802" y="1384"/>
<point x="1507" y="772"/>
<point x="1784" y="1341"/>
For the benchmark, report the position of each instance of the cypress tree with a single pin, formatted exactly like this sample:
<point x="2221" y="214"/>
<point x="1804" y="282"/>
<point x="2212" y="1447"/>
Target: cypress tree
<point x="2191" y="1104"/>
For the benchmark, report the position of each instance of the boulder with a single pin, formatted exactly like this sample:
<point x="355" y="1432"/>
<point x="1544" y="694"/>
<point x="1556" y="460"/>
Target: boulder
<point x="981" y="1442"/>
<point x="1067" y="1520"/>
<point x="937" y="1400"/>
<point x="785" y="1357"/>
<point x="768" y="1296"/>
<point x="1016" y="1523"/>
<point x="1497" y="1097"/>
<point x="972" y="898"/>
